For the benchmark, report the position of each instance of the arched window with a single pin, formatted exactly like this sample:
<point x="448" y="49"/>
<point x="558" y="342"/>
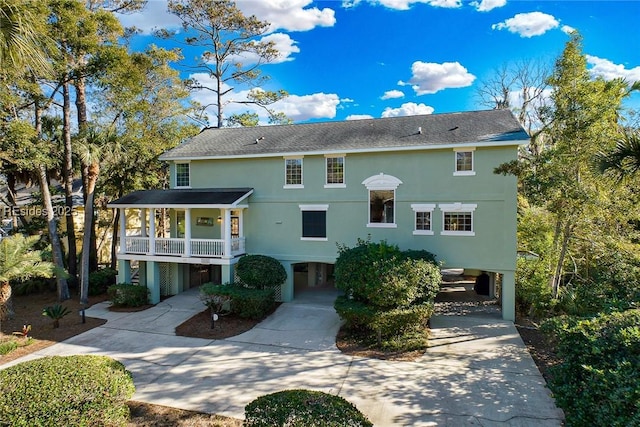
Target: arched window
<point x="382" y="200"/>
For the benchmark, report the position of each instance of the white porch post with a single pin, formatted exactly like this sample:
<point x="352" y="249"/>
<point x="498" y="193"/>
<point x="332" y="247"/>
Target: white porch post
<point x="187" y="232"/>
<point x="241" y="223"/>
<point x="143" y="222"/>
<point x="152" y="231"/>
<point x="123" y="231"/>
<point x="226" y="224"/>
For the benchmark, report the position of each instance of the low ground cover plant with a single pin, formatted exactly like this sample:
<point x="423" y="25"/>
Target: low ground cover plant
<point x="388" y="294"/>
<point x="303" y="408"/>
<point x="64" y="391"/>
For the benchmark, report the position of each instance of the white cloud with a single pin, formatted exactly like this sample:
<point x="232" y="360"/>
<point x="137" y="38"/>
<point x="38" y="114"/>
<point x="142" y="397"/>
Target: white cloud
<point x="408" y="109"/>
<point x="154" y="15"/>
<point x="567" y="29"/>
<point x="391" y="94"/>
<point x="346" y="100"/>
<point x="609" y="71"/>
<point x="359" y="117"/>
<point x="284" y="44"/>
<point x="290" y="15"/>
<point x="528" y="24"/>
<point x="430" y="77"/>
<point x="305" y="107"/>
<point x="487" y="5"/>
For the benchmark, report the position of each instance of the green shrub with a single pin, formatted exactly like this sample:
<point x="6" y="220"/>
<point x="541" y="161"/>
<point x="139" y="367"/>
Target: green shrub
<point x="303" y="408"/>
<point x="260" y="271"/>
<point x="100" y="280"/>
<point x="128" y="295"/>
<point x="245" y="302"/>
<point x="65" y="391"/>
<point x="533" y="293"/>
<point x="355" y="314"/>
<point x="402" y="320"/>
<point x="598" y="381"/>
<point x="383" y="277"/>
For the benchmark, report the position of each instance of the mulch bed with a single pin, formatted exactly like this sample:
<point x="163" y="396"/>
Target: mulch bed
<point x="199" y="326"/>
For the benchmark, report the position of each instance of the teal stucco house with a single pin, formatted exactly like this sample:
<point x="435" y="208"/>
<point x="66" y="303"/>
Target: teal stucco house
<point x="295" y="191"/>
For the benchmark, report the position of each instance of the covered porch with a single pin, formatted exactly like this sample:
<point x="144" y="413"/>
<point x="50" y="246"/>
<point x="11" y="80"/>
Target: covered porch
<point x="180" y="227"/>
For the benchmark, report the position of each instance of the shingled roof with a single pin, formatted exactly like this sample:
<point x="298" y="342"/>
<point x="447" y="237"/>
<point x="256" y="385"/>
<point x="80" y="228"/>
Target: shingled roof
<point x="491" y="127"/>
<point x="204" y="197"/>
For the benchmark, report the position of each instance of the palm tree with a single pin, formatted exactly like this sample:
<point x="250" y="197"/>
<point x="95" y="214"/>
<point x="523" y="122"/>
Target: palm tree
<point x="624" y="161"/>
<point x="18" y="260"/>
<point x="23" y="39"/>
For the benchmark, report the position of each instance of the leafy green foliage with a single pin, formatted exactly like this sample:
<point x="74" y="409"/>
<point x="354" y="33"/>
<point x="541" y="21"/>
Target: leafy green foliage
<point x="100" y="280"/>
<point x="245" y="302"/>
<point x="260" y="271"/>
<point x="73" y="390"/>
<point x="55" y="313"/>
<point x="128" y="295"/>
<point x="303" y="408"/>
<point x="598" y="381"/>
<point x="533" y="293"/>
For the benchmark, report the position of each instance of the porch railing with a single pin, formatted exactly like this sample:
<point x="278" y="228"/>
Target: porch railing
<point x="213" y="248"/>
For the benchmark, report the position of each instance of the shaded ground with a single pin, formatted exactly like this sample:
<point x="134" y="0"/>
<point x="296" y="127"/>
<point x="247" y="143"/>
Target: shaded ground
<point x="29" y="311"/>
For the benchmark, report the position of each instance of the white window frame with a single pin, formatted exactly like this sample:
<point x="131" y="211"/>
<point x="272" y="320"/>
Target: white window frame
<point x="471" y="172"/>
<point x="343" y="184"/>
<point x="289" y="186"/>
<point x="189" y="174"/>
<point x="306" y="208"/>
<point x="459" y="208"/>
<point x="382" y="182"/>
<point x="422" y="208"/>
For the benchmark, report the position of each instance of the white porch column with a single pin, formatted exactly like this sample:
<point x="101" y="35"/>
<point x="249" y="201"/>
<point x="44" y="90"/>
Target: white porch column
<point x="123" y="231"/>
<point x="187" y="232"/>
<point x="143" y="222"/>
<point x="241" y="223"/>
<point x="152" y="231"/>
<point x="226" y="227"/>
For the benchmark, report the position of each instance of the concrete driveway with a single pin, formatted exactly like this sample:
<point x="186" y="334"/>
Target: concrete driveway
<point x="476" y="373"/>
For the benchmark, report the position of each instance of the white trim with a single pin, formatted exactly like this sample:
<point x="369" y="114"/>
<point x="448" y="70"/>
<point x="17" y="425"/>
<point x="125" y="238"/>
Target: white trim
<point x="382" y="224"/>
<point x="471" y="172"/>
<point x="314" y="239"/>
<point x="507" y="143"/>
<point x="458" y="207"/>
<point x="335" y="186"/>
<point x="464" y="149"/>
<point x="295" y="156"/>
<point x="314" y="207"/>
<point x="464" y="173"/>
<point x="457" y="233"/>
<point x="423" y="207"/>
<point x="381" y="182"/>
<point x="290" y="186"/>
<point x="423" y="232"/>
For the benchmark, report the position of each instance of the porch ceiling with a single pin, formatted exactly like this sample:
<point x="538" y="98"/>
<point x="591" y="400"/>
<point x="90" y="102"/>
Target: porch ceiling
<point x="183" y="198"/>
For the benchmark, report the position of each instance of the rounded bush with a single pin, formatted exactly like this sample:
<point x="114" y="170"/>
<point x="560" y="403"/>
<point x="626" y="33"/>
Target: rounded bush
<point x="128" y="295"/>
<point x="74" y="390"/>
<point x="303" y="408"/>
<point x="260" y="271"/>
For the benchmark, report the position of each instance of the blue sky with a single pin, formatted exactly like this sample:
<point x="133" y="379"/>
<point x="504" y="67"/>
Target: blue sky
<point x="343" y="60"/>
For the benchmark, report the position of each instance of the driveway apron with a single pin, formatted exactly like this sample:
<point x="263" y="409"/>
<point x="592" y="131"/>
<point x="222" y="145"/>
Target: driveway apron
<point x="477" y="371"/>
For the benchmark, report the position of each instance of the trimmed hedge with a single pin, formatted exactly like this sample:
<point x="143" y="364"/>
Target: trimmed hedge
<point x="65" y="391"/>
<point x="99" y="281"/>
<point x="598" y="381"/>
<point x="260" y="271"/>
<point x="245" y="302"/>
<point x="303" y="408"/>
<point x="128" y="295"/>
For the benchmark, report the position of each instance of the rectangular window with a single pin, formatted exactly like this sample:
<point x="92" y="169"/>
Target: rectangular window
<point x="335" y="171"/>
<point x="293" y="173"/>
<point x="314" y="222"/>
<point x="382" y="206"/>
<point x="457" y="219"/>
<point x="464" y="162"/>
<point x="423" y="218"/>
<point x="182" y="175"/>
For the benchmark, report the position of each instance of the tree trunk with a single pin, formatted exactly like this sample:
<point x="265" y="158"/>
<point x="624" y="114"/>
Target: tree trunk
<point x="92" y="175"/>
<point x="557" y="277"/>
<point x="56" y="248"/>
<point x="114" y="239"/>
<point x="67" y="174"/>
